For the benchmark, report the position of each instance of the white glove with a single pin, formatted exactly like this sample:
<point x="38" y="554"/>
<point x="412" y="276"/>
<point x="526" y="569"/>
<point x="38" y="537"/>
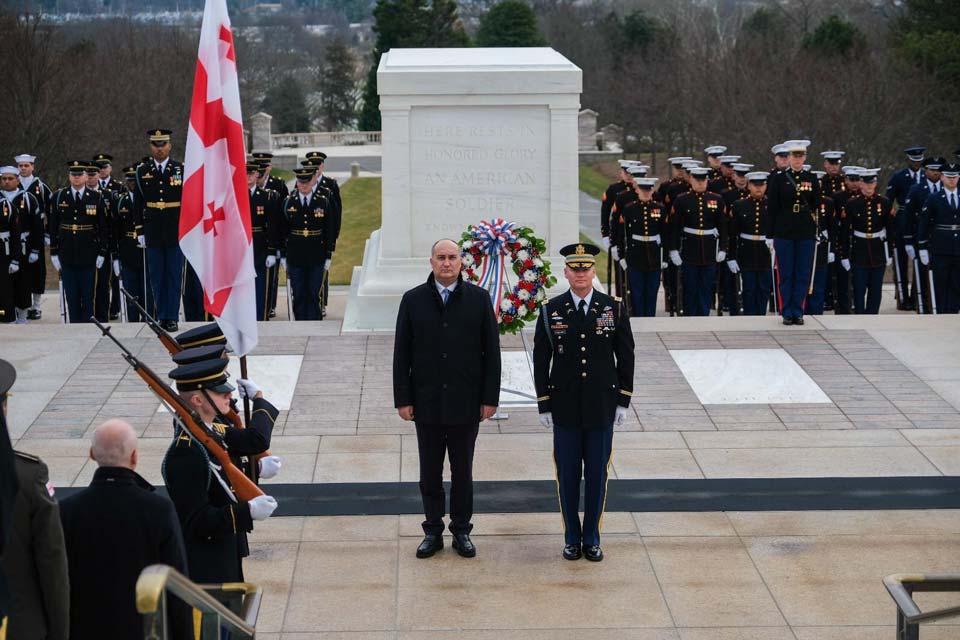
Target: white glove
<point x="924" y="257"/>
<point x="141" y="242"/>
<point x="546" y="419"/>
<point x="13" y="268"/>
<point x="721" y="256"/>
<point x="271" y="261"/>
<point x="911" y="252"/>
<point x="831" y="257"/>
<point x="826" y="234"/>
<point x="46" y="239"/>
<point x="769" y="242"/>
<point x="116" y="268"/>
<point x="247" y="388"/>
<point x="56" y="262"/>
<point x="733" y="266"/>
<point x="262" y="506"/>
<point x="889" y="261"/>
<point x="283" y="263"/>
<point x="270" y="466"/>
<point x="620" y="415"/>
<point x="34" y="256"/>
<point x="100" y="260"/>
<point x="663" y="265"/>
<point x="675" y="258"/>
<point x="623" y="263"/>
<point x="845" y="263"/>
<point x="605" y="242"/>
<point x="326" y="264"/>
<point x="615" y="252"/>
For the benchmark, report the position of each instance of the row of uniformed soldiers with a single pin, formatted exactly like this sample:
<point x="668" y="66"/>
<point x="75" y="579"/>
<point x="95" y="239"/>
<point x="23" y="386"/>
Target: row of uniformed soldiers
<point x="102" y="232"/>
<point x="729" y="237"/>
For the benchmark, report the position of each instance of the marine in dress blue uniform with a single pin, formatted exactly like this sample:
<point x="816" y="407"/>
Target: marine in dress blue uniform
<point x="831" y="181"/>
<point x="898" y="189"/>
<point x="750" y="241"/>
<point x="938" y="240"/>
<point x="607" y="200"/>
<point x="851" y="186"/>
<point x="642" y="225"/>
<point x="583" y="369"/>
<point x="907" y="218"/>
<point x="665" y="195"/>
<point x="866" y="235"/>
<point x="816" y="297"/>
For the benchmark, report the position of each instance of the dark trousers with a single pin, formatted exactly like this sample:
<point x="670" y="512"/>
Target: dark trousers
<point x="757" y="286"/>
<point x="193" y="310"/>
<point x="434" y="441"/>
<point x="727" y="290"/>
<point x="165" y="267"/>
<point x="670" y="289"/>
<point x="115" y="291"/>
<point x="794" y="264"/>
<point x="815" y="300"/>
<point x="946" y="282"/>
<point x="867" y="284"/>
<point x="305" y="283"/>
<point x="582" y="453"/>
<point x="133" y="283"/>
<point x="38" y="273"/>
<point x="101" y="294"/>
<point x="263" y="283"/>
<point x="7" y="284"/>
<point x="78" y="289"/>
<point x="274" y="285"/>
<point x="841" y="305"/>
<point x="901" y="275"/>
<point x="698" y="286"/>
<point x="644" y="286"/>
<point x="921" y="291"/>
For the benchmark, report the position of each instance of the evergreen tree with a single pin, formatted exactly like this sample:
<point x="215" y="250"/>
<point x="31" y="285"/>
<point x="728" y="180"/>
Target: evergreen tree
<point x="338" y="86"/>
<point x="511" y="23"/>
<point x="287" y="103"/>
<point x="835" y="37"/>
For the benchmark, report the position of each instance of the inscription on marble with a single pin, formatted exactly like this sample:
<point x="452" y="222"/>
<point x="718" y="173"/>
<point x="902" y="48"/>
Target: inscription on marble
<point x="473" y="163"/>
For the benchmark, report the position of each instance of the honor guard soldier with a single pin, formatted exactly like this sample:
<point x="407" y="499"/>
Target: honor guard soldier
<point x="265" y="160"/>
<point x="29" y="221"/>
<point x="214" y="520"/>
<point x="697" y="241"/>
<point x="278" y="192"/>
<point x="898" y="188"/>
<point x="781" y="158"/>
<point x="725" y="180"/>
<point x="642" y="224"/>
<point x="832" y="180"/>
<point x="304" y="229"/>
<point x="10" y="260"/>
<point x="677" y="176"/>
<point x="104" y="164"/>
<point x="938" y="240"/>
<point x="726" y="278"/>
<point x="907" y="218"/>
<point x="109" y="184"/>
<point x="606" y="205"/>
<point x="713" y="161"/>
<point x="263" y="219"/>
<point x="751" y="239"/>
<point x="105" y="275"/>
<point x="37" y="270"/>
<point x="866" y="230"/>
<point x="133" y="263"/>
<point x="583" y="369"/>
<point x="817" y="294"/>
<point x="318" y="159"/>
<point x="617" y="242"/>
<point x="793" y="198"/>
<point x="842" y="304"/>
<point x="79" y="240"/>
<point x="159" y="188"/>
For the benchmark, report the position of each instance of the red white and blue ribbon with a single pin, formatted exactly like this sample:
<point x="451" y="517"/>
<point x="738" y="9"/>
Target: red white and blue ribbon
<point x="492" y="237"/>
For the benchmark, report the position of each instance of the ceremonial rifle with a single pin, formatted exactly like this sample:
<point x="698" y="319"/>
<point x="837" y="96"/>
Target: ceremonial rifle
<point x="189" y="420"/>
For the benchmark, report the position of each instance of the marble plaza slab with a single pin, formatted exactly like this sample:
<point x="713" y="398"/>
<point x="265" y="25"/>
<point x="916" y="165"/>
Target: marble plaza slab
<point x="747" y="376"/>
<point x="516" y="380"/>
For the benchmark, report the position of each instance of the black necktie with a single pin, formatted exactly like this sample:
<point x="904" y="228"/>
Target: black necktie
<point x="581" y="308"/>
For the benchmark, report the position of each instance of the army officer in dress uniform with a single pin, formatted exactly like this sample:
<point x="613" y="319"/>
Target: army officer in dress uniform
<point x="583" y="370"/>
<point x="263" y="222"/>
<point x="305" y="229"/>
<point x="938" y="240"/>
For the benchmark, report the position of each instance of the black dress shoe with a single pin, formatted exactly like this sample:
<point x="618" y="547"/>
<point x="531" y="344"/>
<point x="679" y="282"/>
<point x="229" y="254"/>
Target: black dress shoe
<point x="787" y="321"/>
<point x="464" y="545"/>
<point x="171" y="326"/>
<point x="114" y="316"/>
<point x="572" y="552"/>
<point x="272" y="314"/>
<point x="593" y="552"/>
<point x="33" y="314"/>
<point x="430" y="545"/>
<point x="798" y="321"/>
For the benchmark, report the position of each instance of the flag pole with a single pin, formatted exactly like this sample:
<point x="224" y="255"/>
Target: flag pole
<point x="246" y="400"/>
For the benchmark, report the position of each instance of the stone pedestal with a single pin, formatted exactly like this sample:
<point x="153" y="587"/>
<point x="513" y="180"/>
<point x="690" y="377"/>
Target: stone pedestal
<point x="260" y="132"/>
<point x="468" y="134"/>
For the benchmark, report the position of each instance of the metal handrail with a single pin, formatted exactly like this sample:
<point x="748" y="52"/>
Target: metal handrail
<point x="902" y="586"/>
<point x="158" y="579"/>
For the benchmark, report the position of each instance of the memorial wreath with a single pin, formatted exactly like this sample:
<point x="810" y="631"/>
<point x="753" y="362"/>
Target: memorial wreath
<point x="485" y="248"/>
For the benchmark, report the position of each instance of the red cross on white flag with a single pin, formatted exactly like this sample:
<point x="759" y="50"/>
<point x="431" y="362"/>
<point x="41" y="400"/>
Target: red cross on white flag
<point x="215" y="233"/>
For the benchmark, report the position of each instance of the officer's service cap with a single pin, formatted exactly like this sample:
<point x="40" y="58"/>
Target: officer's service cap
<point x="103" y="159"/>
<point x="316" y="155"/>
<point x="646" y="183"/>
<point x="729" y="159"/>
<point x="758" y="176"/>
<point x="915" y="153"/>
<point x="77" y="166"/>
<point x="699" y="172"/>
<point x="934" y="163"/>
<point x="8" y="375"/>
<point x="950" y="170"/>
<point x="851" y="171"/>
<point x="200" y="336"/>
<point x="305" y="174"/>
<point x="9" y="170"/>
<point x="796" y="146"/>
<point x="715" y="150"/>
<point x="159" y="135"/>
<point x="833" y="156"/>
<point x="869" y="175"/>
<point x="263" y="155"/>
<point x="130" y="172"/>
<point x="819" y="174"/>
<point x="311" y="162"/>
<point x="638" y="170"/>
<point x="779" y="149"/>
<point x="580" y="255"/>
<point x="92" y="168"/>
<point x="253" y="166"/>
<point x="198" y="354"/>
<point x="741" y="168"/>
<point x="25" y="157"/>
<point x="204" y="374"/>
<point x="678" y="161"/>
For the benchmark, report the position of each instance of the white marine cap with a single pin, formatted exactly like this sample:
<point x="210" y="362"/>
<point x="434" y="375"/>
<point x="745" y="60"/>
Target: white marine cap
<point x="819" y="174"/>
<point x="806" y="167"/>
<point x="729" y="159"/>
<point x="700" y="172"/>
<point x="715" y="150"/>
<point x="638" y="170"/>
<point x="832" y="155"/>
<point x="796" y="145"/>
<point x="624" y="163"/>
<point x="678" y="160"/>
<point x="778" y="149"/>
<point x="646" y="183"/>
<point x="691" y="164"/>
<point x="25" y="157"/>
<point x="758" y="176"/>
<point x="851" y="170"/>
<point x="869" y="175"/>
<point x="742" y="167"/>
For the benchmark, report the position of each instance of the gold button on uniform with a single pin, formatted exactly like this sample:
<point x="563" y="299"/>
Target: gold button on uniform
<point x="583" y="375"/>
<point x="584" y="361"/>
<point x="583" y="335"/>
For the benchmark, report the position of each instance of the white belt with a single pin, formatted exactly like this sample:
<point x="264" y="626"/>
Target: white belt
<point x="655" y="238"/>
<point x="747" y="236"/>
<point x="701" y="232"/>
<point x="879" y="235"/>
<point x="4" y="235"/>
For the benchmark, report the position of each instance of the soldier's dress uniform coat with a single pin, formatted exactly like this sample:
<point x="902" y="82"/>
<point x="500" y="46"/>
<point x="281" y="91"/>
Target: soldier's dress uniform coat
<point x="908" y="218"/>
<point x="79" y="234"/>
<point x="306" y="236"/>
<point x="842" y="302"/>
<point x="29" y="216"/>
<point x="264" y="218"/>
<point x="866" y="235"/>
<point x="938" y="231"/>
<point x="698" y="230"/>
<point x="750" y="227"/>
<point x="10" y="252"/>
<point x="898" y="193"/>
<point x="38" y="270"/>
<point x="583" y="370"/>
<point x="643" y="229"/>
<point x="793" y="199"/>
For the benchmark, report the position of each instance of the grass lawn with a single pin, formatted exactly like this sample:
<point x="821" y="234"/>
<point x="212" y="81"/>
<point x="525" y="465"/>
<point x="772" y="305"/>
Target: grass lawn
<point x="283" y="174"/>
<point x="361" y="216"/>
<point x="592" y="182"/>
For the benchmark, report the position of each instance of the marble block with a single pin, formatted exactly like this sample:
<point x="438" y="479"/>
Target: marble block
<point x="746" y="376"/>
<point x="468" y="135"/>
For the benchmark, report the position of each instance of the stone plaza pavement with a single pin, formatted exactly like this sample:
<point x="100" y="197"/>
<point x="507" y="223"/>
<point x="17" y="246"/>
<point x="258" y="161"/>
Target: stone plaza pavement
<point x="889" y="407"/>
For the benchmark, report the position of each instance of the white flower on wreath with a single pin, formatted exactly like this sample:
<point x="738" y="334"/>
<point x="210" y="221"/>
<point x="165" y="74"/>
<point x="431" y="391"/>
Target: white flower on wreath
<point x="506" y="305"/>
<point x="523" y="242"/>
<point x="529" y="275"/>
<point x="467" y="244"/>
<point x="541" y="294"/>
<point x="523" y="254"/>
<point x="537" y="262"/>
<point x="468" y="260"/>
<point x="523" y="294"/>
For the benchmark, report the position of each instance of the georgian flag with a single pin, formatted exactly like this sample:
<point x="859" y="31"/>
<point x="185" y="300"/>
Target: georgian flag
<point x="215" y="233"/>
